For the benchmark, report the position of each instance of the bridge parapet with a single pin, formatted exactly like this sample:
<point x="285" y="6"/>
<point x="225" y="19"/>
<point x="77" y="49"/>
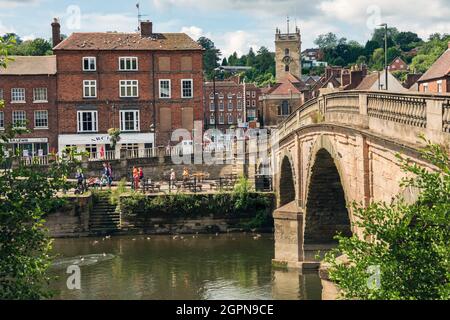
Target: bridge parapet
<point x="399" y="116"/>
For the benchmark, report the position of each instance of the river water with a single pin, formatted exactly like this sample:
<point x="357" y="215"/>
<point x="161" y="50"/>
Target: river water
<point x="229" y="266"/>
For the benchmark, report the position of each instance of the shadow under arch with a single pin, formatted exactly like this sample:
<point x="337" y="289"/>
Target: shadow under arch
<point x="326" y="211"/>
<point x="286" y="183"/>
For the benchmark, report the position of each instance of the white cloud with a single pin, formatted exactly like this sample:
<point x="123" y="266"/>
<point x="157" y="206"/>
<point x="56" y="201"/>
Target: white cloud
<point x="193" y="32"/>
<point x="29" y="37"/>
<point x="8" y="4"/>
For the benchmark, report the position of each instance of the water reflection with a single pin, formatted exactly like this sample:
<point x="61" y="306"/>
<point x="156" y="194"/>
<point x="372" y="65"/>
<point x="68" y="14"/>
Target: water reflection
<point x="234" y="266"/>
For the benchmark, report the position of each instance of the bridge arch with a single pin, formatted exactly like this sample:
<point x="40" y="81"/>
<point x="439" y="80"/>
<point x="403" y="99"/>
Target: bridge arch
<point x="326" y="212"/>
<point x="286" y="183"/>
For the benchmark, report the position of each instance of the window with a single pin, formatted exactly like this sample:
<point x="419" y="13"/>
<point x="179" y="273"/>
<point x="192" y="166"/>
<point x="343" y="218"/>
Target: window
<point x="41" y="119"/>
<point x="286" y="68"/>
<point x="1" y="94"/>
<point x="221" y="96"/>
<point x="89" y="64"/>
<point x="129" y="88"/>
<point x="211" y="95"/>
<point x="128" y="63"/>
<point x="164" y="88"/>
<point x="221" y="105"/>
<point x="40" y="95"/>
<point x="212" y="119"/>
<point x="230" y="118"/>
<point x="129" y="120"/>
<point x="87" y="121"/>
<point x="239" y="117"/>
<point x="253" y="94"/>
<point x="2" y="120"/>
<point x="230" y="96"/>
<point x="247" y="94"/>
<point x="90" y="88"/>
<point x="230" y="104"/>
<point x="186" y="88"/>
<point x="286" y="52"/>
<point x="211" y="106"/>
<point x="425" y="87"/>
<point x="17" y="95"/>
<point x="19" y="119"/>
<point x="284" y="110"/>
<point x="439" y="86"/>
<point x="220" y="118"/>
<point x="248" y="103"/>
<point x="253" y="103"/>
<point x="239" y="95"/>
<point x="239" y="105"/>
<point x="251" y="114"/>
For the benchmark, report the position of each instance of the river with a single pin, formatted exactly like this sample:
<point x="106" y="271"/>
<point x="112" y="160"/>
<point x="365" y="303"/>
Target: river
<point x="199" y="267"/>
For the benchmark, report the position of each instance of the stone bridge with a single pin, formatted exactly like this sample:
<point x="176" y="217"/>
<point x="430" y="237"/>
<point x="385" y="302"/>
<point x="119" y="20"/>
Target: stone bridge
<point x="340" y="148"/>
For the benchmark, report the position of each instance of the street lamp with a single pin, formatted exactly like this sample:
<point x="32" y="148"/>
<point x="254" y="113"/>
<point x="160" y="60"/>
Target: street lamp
<point x="385" y="52"/>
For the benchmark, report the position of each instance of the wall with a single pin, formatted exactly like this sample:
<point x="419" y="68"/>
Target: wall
<point x="71" y="220"/>
<point x="155" y="168"/>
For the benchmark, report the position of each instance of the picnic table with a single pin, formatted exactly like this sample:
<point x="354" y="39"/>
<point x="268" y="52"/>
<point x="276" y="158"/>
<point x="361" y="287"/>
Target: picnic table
<point x="149" y="186"/>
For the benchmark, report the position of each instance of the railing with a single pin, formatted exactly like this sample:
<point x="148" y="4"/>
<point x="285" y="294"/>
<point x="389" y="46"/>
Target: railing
<point x="412" y="113"/>
<point x="402" y="109"/>
<point x="36" y="160"/>
<point x="340" y="103"/>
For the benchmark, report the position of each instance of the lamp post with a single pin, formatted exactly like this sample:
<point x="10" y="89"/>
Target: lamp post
<point x="385" y="52"/>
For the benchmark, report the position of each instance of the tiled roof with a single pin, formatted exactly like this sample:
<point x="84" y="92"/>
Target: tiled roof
<point x="30" y="65"/>
<point x="439" y="69"/>
<point x="285" y="88"/>
<point x="127" y="41"/>
<point x="222" y="84"/>
<point x="368" y="81"/>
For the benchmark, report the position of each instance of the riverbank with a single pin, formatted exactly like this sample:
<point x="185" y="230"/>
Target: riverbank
<point x="99" y="214"/>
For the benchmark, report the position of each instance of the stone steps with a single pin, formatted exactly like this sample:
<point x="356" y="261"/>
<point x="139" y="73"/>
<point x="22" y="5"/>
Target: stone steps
<point x="104" y="219"/>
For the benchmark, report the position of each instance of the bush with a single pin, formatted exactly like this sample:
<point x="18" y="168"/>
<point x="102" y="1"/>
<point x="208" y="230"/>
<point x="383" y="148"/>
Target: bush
<point x="406" y="244"/>
<point x="235" y="205"/>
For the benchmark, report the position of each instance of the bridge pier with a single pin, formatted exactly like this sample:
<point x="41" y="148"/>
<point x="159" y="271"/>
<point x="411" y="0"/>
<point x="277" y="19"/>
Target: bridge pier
<point x="289" y="248"/>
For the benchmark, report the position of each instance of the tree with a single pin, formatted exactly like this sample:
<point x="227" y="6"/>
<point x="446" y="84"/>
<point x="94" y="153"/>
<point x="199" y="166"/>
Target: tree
<point x="328" y="40"/>
<point x="407" y="40"/>
<point x="211" y="56"/>
<point x="27" y="193"/>
<point x="404" y="247"/>
<point x="377" y="59"/>
<point x="379" y="35"/>
<point x="370" y="47"/>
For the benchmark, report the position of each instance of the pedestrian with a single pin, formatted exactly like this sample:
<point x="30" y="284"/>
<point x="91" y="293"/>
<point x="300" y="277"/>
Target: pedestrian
<point x="185" y="174"/>
<point x="135" y="178"/>
<point x="173" y="179"/>
<point x="110" y="175"/>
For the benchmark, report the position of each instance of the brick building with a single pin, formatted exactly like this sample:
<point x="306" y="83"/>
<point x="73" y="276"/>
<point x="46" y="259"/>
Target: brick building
<point x="143" y="83"/>
<point x="398" y="64"/>
<point x="437" y="78"/>
<point x="28" y="89"/>
<point x="236" y="104"/>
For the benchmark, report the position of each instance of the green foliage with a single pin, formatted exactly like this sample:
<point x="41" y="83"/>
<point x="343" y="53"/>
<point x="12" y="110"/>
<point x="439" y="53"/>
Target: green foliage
<point x="409" y="243"/>
<point x="117" y="192"/>
<point x="240" y="204"/>
<point x="27" y="193"/>
<point x="114" y="136"/>
<point x="211" y="56"/>
<point x="36" y="47"/>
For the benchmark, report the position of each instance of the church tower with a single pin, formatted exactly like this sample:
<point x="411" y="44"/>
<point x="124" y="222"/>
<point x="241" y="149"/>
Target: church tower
<point x="288" y="53"/>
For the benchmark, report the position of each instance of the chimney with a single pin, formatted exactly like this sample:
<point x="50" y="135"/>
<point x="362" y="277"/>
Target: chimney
<point x="146" y="29"/>
<point x="56" y="32"/>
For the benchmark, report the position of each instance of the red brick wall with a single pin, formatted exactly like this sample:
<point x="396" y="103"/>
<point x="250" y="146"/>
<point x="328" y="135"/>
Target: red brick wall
<point x="234" y="89"/>
<point x="30" y="82"/>
<point x="70" y="86"/>
<point x="433" y="85"/>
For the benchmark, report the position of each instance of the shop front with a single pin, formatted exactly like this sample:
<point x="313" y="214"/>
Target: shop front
<point x="98" y="146"/>
<point x="29" y="147"/>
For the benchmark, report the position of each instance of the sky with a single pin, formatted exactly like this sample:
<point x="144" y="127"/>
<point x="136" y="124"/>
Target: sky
<point x="233" y="25"/>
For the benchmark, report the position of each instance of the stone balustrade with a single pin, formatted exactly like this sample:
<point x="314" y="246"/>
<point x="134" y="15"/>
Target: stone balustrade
<point x="399" y="116"/>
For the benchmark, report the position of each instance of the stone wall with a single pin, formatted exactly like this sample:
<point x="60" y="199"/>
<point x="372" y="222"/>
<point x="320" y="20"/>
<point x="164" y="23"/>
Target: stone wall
<point x="71" y="220"/>
<point x="155" y="168"/>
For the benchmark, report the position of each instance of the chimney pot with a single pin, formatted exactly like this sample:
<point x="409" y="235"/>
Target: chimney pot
<point x="56" y="32"/>
<point x="146" y="29"/>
